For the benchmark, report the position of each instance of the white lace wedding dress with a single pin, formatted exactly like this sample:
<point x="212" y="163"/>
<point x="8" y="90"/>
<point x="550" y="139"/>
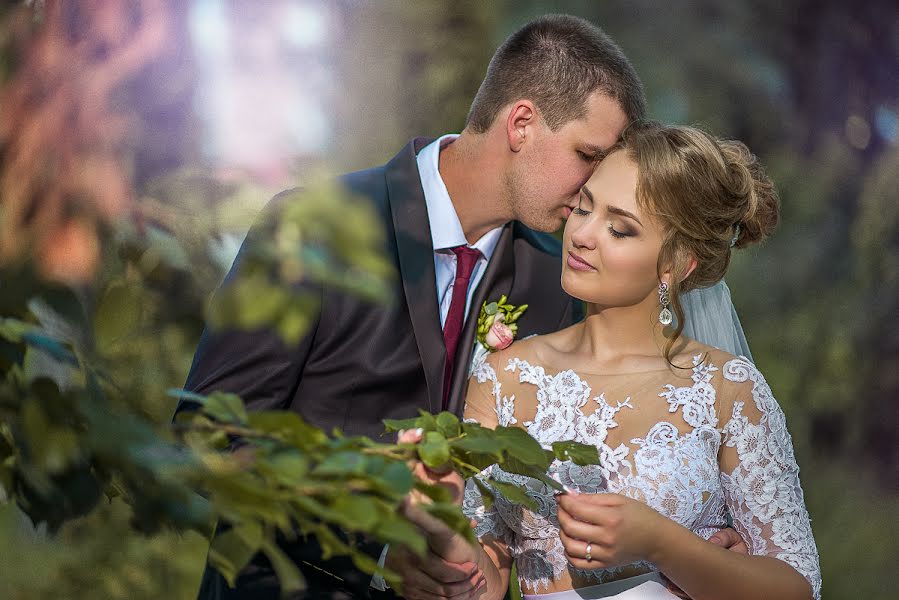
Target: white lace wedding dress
<point x="696" y="445"/>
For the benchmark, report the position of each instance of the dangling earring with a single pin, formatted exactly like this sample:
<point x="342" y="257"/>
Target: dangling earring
<point x="665" y="317"/>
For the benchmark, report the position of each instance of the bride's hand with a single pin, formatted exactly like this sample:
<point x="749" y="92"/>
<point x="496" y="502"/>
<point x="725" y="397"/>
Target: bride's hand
<point x="620" y="530"/>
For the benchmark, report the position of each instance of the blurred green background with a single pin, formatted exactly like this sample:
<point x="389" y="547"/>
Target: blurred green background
<point x="811" y="86"/>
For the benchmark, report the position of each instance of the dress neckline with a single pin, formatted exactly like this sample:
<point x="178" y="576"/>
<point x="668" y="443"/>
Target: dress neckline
<point x="558" y="371"/>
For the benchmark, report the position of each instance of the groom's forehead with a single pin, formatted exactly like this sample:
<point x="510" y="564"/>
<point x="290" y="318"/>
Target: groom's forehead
<point x="602" y="123"/>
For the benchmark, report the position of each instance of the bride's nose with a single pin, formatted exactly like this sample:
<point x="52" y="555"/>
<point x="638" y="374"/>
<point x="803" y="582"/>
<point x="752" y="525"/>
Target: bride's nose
<point x="584" y="236"/>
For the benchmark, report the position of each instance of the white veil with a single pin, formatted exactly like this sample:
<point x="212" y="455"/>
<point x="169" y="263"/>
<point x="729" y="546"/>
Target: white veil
<point x="712" y="319"/>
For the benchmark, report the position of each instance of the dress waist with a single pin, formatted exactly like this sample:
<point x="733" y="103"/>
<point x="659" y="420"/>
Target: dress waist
<point x="649" y="586"/>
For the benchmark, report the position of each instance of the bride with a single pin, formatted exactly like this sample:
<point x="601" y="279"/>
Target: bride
<point x="688" y="434"/>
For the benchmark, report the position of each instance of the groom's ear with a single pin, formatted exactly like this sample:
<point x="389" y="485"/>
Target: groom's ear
<point x="520" y="123"/>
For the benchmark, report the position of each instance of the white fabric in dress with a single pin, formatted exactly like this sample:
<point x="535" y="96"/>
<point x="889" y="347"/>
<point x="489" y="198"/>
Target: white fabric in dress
<point x="666" y="455"/>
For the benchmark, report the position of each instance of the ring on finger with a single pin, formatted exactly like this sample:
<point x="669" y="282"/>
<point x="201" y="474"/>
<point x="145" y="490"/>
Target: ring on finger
<point x="588" y="555"/>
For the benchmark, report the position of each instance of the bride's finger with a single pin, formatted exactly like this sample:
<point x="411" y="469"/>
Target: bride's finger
<point x="576" y="553"/>
<point x="578" y="529"/>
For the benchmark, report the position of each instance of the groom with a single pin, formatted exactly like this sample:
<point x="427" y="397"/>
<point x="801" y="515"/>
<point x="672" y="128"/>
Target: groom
<point x="467" y="219"/>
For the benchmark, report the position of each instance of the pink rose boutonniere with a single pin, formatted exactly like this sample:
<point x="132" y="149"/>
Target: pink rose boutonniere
<point x="496" y="324"/>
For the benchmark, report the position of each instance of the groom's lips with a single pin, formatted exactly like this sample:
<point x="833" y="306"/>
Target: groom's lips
<point x="579" y="264"/>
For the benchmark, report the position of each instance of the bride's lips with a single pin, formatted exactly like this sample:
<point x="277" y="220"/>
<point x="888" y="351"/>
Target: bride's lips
<point x="579" y="264"/>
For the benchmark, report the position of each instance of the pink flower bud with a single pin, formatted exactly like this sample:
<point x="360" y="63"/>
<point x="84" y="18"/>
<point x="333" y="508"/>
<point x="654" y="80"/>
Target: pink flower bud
<point x="499" y="336"/>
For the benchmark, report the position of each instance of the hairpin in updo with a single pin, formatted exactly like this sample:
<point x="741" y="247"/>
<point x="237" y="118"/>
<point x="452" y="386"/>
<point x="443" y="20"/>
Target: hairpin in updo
<point x="733" y="240"/>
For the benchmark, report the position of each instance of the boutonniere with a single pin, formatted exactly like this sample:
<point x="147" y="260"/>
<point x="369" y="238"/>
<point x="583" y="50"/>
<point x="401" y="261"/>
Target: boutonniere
<point x="496" y="324"/>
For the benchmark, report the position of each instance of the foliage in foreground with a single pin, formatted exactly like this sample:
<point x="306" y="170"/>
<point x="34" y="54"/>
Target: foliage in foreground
<point x="76" y="432"/>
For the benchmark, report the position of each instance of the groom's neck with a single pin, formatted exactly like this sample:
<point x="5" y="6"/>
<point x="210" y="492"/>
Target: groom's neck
<point x="473" y="175"/>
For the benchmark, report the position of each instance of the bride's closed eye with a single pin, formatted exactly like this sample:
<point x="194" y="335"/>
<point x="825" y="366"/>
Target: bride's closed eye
<point x="619" y="234"/>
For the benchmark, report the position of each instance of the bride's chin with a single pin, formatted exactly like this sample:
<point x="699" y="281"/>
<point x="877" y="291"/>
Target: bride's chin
<point x="575" y="291"/>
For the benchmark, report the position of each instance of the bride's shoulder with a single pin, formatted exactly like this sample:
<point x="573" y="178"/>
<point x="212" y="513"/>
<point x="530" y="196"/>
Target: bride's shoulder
<point x="696" y="353"/>
<point x="735" y="377"/>
<point x="529" y="351"/>
<point x="722" y="367"/>
<point x="535" y="349"/>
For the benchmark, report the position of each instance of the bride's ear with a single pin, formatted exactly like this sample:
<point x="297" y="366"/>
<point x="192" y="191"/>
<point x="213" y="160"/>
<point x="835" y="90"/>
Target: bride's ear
<point x="522" y="118"/>
<point x="692" y="263"/>
<point x="689" y="265"/>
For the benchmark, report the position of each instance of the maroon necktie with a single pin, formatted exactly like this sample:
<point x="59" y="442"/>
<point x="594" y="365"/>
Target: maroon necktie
<point x="466" y="259"/>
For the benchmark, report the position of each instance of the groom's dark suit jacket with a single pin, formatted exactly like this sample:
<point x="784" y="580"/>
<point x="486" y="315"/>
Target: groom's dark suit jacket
<point x="361" y="363"/>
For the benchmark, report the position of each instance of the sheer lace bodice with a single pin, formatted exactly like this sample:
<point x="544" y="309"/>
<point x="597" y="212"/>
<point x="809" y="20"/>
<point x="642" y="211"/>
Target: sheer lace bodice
<point x="696" y="447"/>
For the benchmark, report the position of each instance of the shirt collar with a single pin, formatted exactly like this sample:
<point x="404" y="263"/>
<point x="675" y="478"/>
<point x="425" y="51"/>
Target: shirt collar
<point x="446" y="230"/>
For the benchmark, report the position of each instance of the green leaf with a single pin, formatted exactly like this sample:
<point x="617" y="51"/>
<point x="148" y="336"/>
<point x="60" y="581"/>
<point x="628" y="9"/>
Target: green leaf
<point x="289" y="577"/>
<point x="53" y="347"/>
<point x="232" y="550"/>
<point x="448" y="425"/>
<point x="358" y="512"/>
<point x="117" y="314"/>
<point x="296" y="317"/>
<point x="394" y="480"/>
<point x="289" y="426"/>
<point x="394" y="529"/>
<point x="401" y="424"/>
<point x="491" y="308"/>
<point x="341" y="464"/>
<point x="434" y="451"/>
<point x="452" y="516"/>
<point x="288" y="466"/>
<point x="364" y="562"/>
<point x="514" y="494"/>
<point x="579" y="454"/>
<point x="512" y="465"/>
<point x="167" y="247"/>
<point x="259" y="303"/>
<point x="523" y="447"/>
<point x="434" y="492"/>
<point x="227" y="408"/>
<point x="14" y="329"/>
<point x="478" y="443"/>
<point x="426" y="421"/>
<point x="487" y="495"/>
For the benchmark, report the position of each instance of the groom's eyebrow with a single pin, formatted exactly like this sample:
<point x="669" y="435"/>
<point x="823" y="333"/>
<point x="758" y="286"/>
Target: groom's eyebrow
<point x="598" y="152"/>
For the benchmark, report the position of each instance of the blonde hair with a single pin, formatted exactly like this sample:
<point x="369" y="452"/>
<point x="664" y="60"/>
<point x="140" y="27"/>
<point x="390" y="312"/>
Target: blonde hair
<point x="711" y="196"/>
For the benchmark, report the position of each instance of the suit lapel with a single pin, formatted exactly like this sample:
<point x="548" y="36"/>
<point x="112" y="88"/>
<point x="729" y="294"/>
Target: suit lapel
<point x="497" y="280"/>
<point x="416" y="257"/>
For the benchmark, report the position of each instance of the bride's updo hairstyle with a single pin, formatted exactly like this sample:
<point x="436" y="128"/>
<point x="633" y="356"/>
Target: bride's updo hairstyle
<point x="710" y="195"/>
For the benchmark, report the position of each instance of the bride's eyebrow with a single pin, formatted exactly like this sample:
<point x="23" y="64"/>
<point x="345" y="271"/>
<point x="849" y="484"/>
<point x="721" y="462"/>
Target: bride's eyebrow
<point x="621" y="212"/>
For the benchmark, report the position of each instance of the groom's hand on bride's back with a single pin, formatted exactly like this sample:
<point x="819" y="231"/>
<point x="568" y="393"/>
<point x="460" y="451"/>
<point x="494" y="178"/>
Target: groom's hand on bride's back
<point x="729" y="539"/>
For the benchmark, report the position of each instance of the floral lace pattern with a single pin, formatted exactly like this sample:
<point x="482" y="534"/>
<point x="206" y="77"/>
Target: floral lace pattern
<point x="678" y="474"/>
<point x="763" y="490"/>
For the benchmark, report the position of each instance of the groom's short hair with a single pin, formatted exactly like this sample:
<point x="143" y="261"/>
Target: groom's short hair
<point x="556" y="62"/>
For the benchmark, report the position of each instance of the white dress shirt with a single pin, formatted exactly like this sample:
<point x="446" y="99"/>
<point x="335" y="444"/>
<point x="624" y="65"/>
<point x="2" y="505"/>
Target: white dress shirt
<point x="446" y="233"/>
<point x="446" y="230"/>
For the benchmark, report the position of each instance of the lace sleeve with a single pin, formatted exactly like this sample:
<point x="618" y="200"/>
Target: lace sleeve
<point x="488" y="521"/>
<point x="484" y="405"/>
<point x="760" y="476"/>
